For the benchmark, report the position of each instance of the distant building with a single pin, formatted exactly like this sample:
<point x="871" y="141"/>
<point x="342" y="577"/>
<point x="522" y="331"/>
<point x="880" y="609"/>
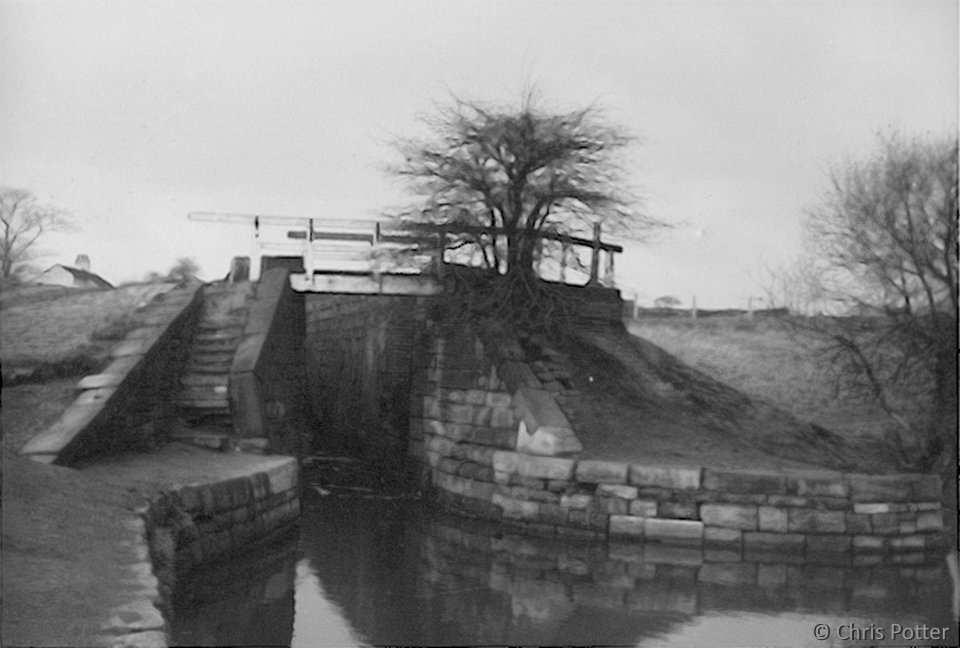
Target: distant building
<point x="76" y="276"/>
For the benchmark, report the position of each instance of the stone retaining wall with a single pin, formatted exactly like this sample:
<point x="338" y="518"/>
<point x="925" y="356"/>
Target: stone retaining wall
<point x="191" y="525"/>
<point x="267" y="375"/>
<point x="126" y="405"/>
<point x="468" y="429"/>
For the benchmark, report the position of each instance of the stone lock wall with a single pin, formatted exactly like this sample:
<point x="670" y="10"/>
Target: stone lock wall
<point x="359" y="351"/>
<point x="190" y="525"/>
<point x="474" y="428"/>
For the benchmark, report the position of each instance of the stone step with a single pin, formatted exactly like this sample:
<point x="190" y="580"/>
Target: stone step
<point x="206" y="354"/>
<point x="214" y="368"/>
<point x="222" y="322"/>
<point x="231" y="334"/>
<point x="200" y="410"/>
<point x="189" y="379"/>
<point x="215" y="343"/>
<point x="204" y="391"/>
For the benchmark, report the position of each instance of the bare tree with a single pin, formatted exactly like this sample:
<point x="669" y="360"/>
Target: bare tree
<point x="520" y="171"/>
<point x="882" y="274"/>
<point x="24" y="224"/>
<point x="184" y="270"/>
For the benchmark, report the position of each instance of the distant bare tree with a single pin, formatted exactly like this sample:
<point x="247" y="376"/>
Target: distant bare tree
<point x="24" y="223"/>
<point x="184" y="270"/>
<point x="882" y="272"/>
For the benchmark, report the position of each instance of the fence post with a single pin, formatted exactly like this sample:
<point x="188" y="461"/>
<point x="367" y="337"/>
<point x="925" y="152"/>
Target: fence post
<point x="441" y="244"/>
<point x="608" y="274"/>
<point x="308" y="250"/>
<point x="564" y="248"/>
<point x="595" y="257"/>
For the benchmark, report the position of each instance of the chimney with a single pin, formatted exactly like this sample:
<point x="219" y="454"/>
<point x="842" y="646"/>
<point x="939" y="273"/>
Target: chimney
<point x="82" y="262"/>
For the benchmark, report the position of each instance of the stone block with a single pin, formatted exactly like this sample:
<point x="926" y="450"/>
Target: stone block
<point x="751" y="482"/>
<point x="816" y="521"/>
<point x="780" y="541"/>
<point x="930" y="521"/>
<point x="476" y="396"/>
<point x="576" y="502"/>
<point x="868" y="543"/>
<point x="614" y="505"/>
<point x="95" y="396"/>
<point x="448" y="465"/>
<point x="478" y="454"/>
<point x="908" y="543"/>
<point x="124" y="365"/>
<point x="617" y="490"/>
<point x="543" y="429"/>
<point x="783" y="501"/>
<point x="683" y="531"/>
<point x="98" y="381"/>
<point x="828" y="543"/>
<point x="643" y="508"/>
<point x="817" y="484"/>
<point x="498" y="399"/>
<point x="885" y="523"/>
<point x="457" y="413"/>
<point x="869" y="509"/>
<point x="731" y="516"/>
<point x="879" y="488"/>
<point x="858" y="524"/>
<point x="492" y="437"/>
<point x="722" y="536"/>
<point x="470" y="470"/>
<point x="908" y="527"/>
<point x="135" y="347"/>
<point x="672" y="477"/>
<point x="533" y="466"/>
<point x="626" y="526"/>
<point x="677" y="510"/>
<point x="601" y="472"/>
<point x="771" y="518"/>
<point x="283" y="476"/>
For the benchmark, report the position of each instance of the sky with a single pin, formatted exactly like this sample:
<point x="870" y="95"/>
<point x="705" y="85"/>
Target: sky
<point x="130" y="115"/>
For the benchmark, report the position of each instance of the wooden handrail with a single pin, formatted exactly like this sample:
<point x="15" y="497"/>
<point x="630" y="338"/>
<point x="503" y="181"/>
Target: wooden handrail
<point x="323" y="230"/>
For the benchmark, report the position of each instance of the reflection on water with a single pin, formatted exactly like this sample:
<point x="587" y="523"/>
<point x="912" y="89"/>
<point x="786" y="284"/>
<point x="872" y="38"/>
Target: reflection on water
<point x="376" y="572"/>
<point x="243" y="602"/>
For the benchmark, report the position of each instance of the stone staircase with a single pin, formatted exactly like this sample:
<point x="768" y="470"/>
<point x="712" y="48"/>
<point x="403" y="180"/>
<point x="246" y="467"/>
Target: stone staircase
<point x="203" y="401"/>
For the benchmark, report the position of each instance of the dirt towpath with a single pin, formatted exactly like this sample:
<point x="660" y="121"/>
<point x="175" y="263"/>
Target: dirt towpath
<point x="75" y="569"/>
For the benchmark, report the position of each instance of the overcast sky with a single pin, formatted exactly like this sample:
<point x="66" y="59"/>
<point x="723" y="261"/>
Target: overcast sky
<point x="132" y="114"/>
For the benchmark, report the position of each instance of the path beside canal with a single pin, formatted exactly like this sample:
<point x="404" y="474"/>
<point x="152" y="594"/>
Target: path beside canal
<point x="75" y="570"/>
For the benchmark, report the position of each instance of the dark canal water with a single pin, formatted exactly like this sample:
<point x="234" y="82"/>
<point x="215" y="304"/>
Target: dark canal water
<point x="366" y="571"/>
